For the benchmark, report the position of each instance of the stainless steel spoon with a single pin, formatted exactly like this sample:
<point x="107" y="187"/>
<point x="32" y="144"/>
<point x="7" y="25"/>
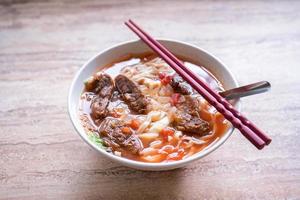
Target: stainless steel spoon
<point x="247" y="90"/>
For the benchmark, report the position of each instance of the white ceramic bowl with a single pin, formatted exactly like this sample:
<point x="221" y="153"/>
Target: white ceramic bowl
<point x="190" y="52"/>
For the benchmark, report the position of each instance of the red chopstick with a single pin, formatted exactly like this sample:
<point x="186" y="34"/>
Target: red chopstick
<point x="218" y="97"/>
<point x="202" y="88"/>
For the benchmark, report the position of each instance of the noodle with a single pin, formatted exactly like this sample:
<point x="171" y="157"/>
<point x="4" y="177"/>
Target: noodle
<point x="161" y="140"/>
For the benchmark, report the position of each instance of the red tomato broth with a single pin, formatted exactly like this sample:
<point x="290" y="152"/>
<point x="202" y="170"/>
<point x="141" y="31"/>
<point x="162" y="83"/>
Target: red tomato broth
<point x="166" y="147"/>
<point x="220" y="127"/>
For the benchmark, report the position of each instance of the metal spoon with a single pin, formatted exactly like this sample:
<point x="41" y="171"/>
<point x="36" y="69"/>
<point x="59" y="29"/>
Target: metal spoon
<point x="247" y="90"/>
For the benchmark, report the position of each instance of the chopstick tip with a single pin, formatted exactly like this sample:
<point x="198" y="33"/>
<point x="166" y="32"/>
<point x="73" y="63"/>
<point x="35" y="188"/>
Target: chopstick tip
<point x="260" y="147"/>
<point x="268" y="141"/>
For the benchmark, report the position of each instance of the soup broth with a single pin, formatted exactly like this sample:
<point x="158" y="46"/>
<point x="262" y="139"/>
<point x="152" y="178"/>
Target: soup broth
<point x="140" y="109"/>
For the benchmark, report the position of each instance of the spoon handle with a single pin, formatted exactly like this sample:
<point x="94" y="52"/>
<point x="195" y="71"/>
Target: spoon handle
<point x="247" y="90"/>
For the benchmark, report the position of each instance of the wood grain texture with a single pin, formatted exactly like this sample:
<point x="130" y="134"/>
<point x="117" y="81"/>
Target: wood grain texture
<point x="44" y="43"/>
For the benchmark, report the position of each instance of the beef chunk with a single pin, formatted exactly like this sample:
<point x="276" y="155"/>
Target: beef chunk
<point x="113" y="136"/>
<point x="102" y="85"/>
<point x="180" y="86"/>
<point x="188" y="120"/>
<point x="131" y="94"/>
<point x="99" y="107"/>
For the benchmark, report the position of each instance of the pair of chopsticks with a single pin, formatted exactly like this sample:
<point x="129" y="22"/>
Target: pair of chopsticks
<point x="247" y="128"/>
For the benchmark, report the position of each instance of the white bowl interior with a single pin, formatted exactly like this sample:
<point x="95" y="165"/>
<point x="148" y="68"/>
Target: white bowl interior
<point x="190" y="52"/>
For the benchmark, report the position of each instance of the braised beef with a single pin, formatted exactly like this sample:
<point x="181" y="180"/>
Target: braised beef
<point x="102" y="85"/>
<point x="187" y="118"/>
<point x="180" y="86"/>
<point x="131" y="94"/>
<point x="113" y="136"/>
<point x="99" y="107"/>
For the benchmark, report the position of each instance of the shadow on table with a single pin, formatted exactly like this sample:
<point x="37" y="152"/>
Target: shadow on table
<point x="112" y="181"/>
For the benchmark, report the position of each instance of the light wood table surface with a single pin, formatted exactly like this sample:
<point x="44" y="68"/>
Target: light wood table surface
<point x="44" y="43"/>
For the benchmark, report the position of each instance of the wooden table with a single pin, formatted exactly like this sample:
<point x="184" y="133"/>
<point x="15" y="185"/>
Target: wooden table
<point x="43" y="44"/>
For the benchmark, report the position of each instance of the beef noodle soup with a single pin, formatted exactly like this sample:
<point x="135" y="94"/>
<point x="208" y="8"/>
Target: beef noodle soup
<point x="142" y="110"/>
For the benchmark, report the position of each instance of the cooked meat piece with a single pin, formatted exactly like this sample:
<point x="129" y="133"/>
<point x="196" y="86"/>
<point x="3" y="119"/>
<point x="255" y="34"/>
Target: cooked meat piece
<point x="131" y="94"/>
<point x="190" y="105"/>
<point x="191" y="124"/>
<point x="187" y="118"/>
<point x="98" y="107"/>
<point x="112" y="133"/>
<point x="180" y="86"/>
<point x="102" y="85"/>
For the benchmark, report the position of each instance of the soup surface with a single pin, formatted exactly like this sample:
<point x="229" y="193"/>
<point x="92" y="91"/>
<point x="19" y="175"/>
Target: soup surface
<point x="140" y="109"/>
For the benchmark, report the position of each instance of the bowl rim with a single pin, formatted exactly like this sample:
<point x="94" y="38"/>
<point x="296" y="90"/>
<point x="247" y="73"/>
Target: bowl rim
<point x="139" y="164"/>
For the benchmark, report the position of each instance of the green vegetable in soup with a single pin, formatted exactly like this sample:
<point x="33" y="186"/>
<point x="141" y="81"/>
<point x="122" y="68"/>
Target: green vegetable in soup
<point x="96" y="139"/>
